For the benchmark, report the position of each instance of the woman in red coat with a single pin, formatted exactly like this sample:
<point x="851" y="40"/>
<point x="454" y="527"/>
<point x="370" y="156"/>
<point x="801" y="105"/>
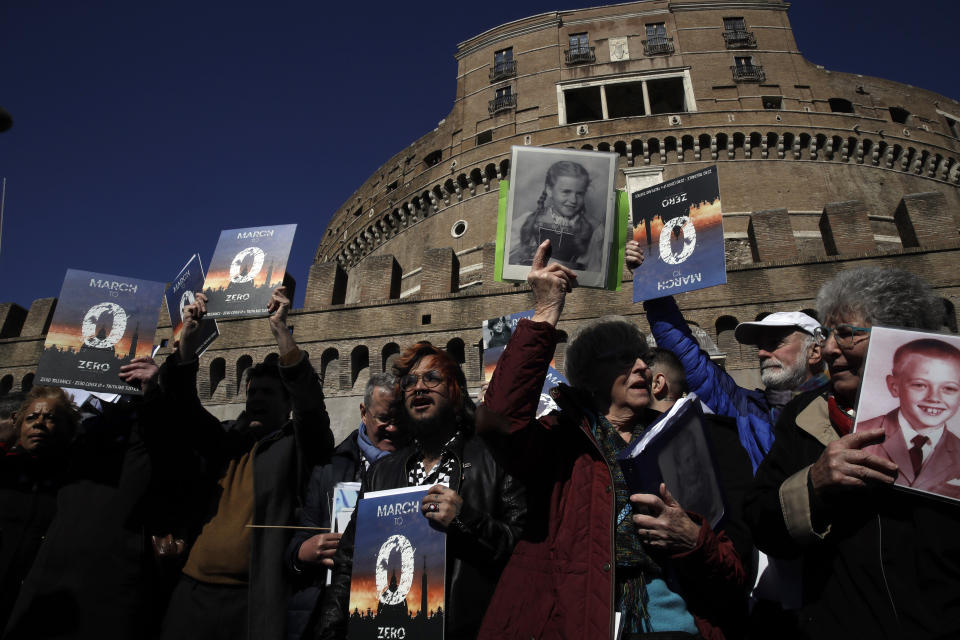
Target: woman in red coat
<point x="592" y="548"/>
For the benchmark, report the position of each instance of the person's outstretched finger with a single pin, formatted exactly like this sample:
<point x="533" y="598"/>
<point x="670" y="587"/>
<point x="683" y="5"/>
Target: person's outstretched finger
<point x="542" y="256"/>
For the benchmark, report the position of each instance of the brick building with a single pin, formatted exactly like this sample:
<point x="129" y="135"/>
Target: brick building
<point x="819" y="171"/>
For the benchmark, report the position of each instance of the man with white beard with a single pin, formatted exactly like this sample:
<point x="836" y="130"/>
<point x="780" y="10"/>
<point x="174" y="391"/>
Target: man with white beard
<point x="788" y="345"/>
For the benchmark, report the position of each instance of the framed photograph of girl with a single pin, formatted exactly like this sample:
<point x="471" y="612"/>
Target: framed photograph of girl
<point x="565" y="196"/>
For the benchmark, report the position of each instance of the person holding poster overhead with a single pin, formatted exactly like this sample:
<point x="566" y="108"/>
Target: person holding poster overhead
<point x="877" y="562"/>
<point x="233" y="584"/>
<point x="481" y="508"/>
<point x="593" y="549"/>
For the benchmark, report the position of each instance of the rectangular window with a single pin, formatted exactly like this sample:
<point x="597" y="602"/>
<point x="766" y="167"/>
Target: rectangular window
<point x="772" y="102"/>
<point x="433" y="158"/>
<point x="503" y="65"/>
<point x="657" y="42"/>
<point x="485" y="136"/>
<point x="580" y="51"/>
<point x="953" y="126"/>
<point x="657" y="30"/>
<point x="734" y="24"/>
<point x="625" y="99"/>
<point x="744" y="70"/>
<point x="638" y="96"/>
<point x="504" y="100"/>
<point x="666" y="96"/>
<point x="583" y="104"/>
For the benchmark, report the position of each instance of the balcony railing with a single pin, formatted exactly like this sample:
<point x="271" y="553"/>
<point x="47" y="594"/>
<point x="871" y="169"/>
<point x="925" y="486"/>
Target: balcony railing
<point x="739" y="39"/>
<point x="502" y="70"/>
<point x="658" y="46"/>
<point x="748" y="73"/>
<point x="580" y="55"/>
<point x="503" y="103"/>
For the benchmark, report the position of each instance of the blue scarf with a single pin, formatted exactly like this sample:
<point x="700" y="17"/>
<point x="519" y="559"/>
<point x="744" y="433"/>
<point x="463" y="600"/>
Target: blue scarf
<point x="370" y="452"/>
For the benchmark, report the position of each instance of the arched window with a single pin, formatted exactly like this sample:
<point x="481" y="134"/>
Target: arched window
<point x="949" y="315"/>
<point x="840" y="105"/>
<point x="359" y="363"/>
<point x="243" y="363"/>
<point x="899" y="115"/>
<point x="725" y="326"/>
<point x="389" y="353"/>
<point x="455" y="348"/>
<point x="6" y="384"/>
<point x="218" y="371"/>
<point x="330" y="369"/>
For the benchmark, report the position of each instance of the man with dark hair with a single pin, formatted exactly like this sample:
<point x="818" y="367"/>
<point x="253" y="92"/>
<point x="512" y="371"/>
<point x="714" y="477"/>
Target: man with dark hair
<point x="472" y="498"/>
<point x="667" y="385"/>
<point x="309" y="554"/>
<point x="667" y="382"/>
<point x="233" y="584"/>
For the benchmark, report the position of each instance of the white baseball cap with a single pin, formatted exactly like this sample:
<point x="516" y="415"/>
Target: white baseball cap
<point x="746" y="332"/>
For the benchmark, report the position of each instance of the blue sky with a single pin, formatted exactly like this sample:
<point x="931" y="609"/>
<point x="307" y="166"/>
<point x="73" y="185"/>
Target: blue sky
<point x="141" y="130"/>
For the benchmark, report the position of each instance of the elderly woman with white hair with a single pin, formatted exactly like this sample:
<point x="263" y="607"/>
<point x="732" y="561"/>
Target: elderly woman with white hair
<point x="877" y="563"/>
<point x="591" y="548"/>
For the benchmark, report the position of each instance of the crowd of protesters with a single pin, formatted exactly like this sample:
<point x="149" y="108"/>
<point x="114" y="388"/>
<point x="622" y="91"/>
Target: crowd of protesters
<point x="149" y="518"/>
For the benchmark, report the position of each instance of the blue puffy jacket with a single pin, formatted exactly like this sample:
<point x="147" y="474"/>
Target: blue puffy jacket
<point x="752" y="409"/>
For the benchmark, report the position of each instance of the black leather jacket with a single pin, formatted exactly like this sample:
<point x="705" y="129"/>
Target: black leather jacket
<point x="479" y="541"/>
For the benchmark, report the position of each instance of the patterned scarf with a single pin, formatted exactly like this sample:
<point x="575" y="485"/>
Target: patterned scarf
<point x="634" y="565"/>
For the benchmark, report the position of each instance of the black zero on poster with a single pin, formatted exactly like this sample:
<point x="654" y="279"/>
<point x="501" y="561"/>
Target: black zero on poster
<point x="247" y="265"/>
<point x="101" y="323"/>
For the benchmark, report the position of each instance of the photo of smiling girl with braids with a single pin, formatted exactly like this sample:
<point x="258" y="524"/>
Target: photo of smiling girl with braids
<point x="560" y="216"/>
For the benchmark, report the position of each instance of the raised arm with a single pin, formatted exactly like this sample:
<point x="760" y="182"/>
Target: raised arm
<point x="178" y="385"/>
<point x="310" y="419"/>
<point x="511" y="399"/>
<point x="714" y="386"/>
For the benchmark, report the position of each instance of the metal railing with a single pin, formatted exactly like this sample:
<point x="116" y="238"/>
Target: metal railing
<point x="580" y="55"/>
<point x="748" y="73"/>
<point x="658" y="46"/>
<point x="739" y="39"/>
<point x="502" y="70"/>
<point x="503" y="103"/>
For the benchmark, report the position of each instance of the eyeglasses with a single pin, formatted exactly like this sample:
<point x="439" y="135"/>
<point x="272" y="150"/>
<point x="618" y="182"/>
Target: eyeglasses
<point x="846" y="335"/>
<point x="431" y="379"/>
